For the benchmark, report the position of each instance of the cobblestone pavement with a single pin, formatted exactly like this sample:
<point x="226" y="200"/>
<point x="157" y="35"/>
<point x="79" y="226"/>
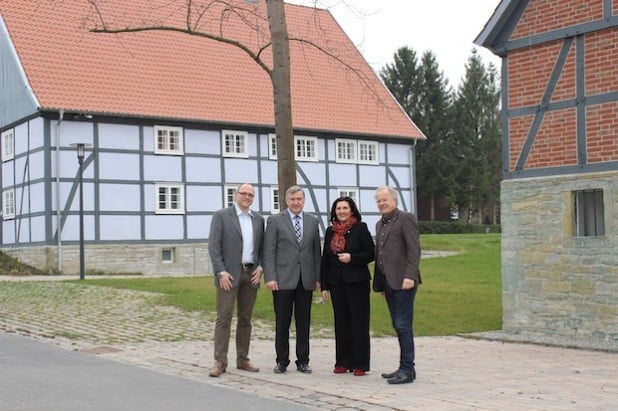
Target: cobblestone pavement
<point x="454" y="373"/>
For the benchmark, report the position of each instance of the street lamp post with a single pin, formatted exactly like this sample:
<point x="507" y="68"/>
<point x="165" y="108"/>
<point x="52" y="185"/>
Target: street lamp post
<point x="80" y="159"/>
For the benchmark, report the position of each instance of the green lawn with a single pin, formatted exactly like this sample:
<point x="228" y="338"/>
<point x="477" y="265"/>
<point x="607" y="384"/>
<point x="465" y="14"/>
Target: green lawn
<point x="459" y="294"/>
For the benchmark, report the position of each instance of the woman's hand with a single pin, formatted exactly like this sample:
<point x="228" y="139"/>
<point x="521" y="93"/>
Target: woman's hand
<point x="344" y="257"/>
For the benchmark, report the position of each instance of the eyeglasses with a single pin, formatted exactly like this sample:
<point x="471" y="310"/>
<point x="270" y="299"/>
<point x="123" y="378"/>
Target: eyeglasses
<point x="246" y="193"/>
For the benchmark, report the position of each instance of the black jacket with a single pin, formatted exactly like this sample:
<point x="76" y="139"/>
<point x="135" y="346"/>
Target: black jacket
<point x="362" y="250"/>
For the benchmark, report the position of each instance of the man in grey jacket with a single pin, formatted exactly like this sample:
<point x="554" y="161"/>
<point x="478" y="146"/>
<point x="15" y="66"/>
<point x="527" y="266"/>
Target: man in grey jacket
<point x="235" y="247"/>
<point x="397" y="276"/>
<point x="292" y="271"/>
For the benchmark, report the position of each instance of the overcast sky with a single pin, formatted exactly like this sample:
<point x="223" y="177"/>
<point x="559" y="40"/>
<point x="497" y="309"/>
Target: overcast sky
<point x="447" y="27"/>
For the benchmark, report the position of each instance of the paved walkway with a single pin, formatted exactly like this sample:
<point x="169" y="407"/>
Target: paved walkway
<point x="454" y="373"/>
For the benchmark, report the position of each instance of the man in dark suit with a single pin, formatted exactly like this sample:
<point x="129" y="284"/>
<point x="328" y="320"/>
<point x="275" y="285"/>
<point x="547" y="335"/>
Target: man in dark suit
<point x="292" y="272"/>
<point x="397" y="275"/>
<point x="235" y="247"/>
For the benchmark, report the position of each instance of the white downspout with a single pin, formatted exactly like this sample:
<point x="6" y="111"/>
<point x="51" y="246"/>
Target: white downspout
<point x="413" y="178"/>
<point x="58" y="211"/>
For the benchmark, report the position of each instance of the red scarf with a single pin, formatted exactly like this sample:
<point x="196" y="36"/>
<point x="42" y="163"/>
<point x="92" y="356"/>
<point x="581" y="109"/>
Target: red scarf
<point x="337" y="244"/>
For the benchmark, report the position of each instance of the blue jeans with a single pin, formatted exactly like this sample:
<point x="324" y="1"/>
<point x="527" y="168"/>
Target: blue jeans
<point x="401" y="307"/>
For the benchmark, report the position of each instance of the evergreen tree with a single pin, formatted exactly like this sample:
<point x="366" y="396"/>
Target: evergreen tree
<point x="404" y="80"/>
<point x="424" y="94"/>
<point x="435" y="171"/>
<point x="476" y="140"/>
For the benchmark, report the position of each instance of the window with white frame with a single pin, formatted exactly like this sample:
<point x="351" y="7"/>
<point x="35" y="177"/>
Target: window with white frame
<point x="9" y="204"/>
<point x="235" y="143"/>
<point x="168" y="255"/>
<point x="272" y="146"/>
<point x="170" y="198"/>
<point x="275" y="204"/>
<point x="306" y="148"/>
<point x="589" y="213"/>
<point x="168" y="140"/>
<point x="349" y="192"/>
<point x="368" y="152"/>
<point x="230" y="195"/>
<point x="8" y="145"/>
<point x="353" y="151"/>
<point x="346" y="150"/>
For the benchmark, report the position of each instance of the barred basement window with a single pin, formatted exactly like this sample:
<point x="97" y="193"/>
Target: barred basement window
<point x="589" y="213"/>
<point x="167" y="255"/>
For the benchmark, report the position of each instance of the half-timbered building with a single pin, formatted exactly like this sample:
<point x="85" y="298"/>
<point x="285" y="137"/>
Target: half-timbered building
<point x="559" y="195"/>
<point x="172" y="123"/>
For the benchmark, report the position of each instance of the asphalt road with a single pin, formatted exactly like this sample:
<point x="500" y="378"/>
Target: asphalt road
<point x="43" y="377"/>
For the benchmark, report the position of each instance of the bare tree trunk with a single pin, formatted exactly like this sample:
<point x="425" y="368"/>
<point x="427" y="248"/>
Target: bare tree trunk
<point x="280" y="76"/>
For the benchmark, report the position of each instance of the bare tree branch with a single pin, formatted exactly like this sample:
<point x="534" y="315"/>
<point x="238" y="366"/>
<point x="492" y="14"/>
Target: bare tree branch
<point x="363" y="79"/>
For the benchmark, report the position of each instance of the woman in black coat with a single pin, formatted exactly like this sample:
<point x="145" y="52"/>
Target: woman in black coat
<point x="348" y="248"/>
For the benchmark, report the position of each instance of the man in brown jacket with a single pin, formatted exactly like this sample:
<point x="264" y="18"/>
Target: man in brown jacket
<point x="397" y="275"/>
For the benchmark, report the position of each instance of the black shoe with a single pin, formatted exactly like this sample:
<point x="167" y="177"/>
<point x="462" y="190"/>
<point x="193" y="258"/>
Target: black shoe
<point x="402" y="378"/>
<point x="388" y="375"/>
<point x="280" y="368"/>
<point x="304" y="368"/>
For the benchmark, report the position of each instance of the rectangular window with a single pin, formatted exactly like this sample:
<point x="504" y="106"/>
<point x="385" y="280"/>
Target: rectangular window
<point x="167" y="255"/>
<point x="9" y="204"/>
<point x="346" y="151"/>
<point x="349" y="192"/>
<point x="170" y="198"/>
<point x="275" y="205"/>
<point x="306" y="148"/>
<point x="589" y="213"/>
<point x="8" y="145"/>
<point x="368" y="152"/>
<point x="272" y="146"/>
<point x="230" y="196"/>
<point x="168" y="140"/>
<point x="235" y="143"/>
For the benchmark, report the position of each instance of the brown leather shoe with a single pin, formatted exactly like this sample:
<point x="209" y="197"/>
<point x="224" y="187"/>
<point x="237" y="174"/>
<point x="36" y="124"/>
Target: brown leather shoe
<point x="247" y="366"/>
<point x="217" y="369"/>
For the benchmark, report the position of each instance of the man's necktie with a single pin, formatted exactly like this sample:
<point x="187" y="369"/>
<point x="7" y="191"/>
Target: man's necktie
<point x="299" y="234"/>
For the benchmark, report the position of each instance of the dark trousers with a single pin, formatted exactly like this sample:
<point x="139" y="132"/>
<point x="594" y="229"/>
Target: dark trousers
<point x="288" y="302"/>
<point x="351" y="311"/>
<point x="401" y="307"/>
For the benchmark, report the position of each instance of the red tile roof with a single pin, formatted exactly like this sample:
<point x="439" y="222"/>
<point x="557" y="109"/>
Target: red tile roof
<point x="173" y="75"/>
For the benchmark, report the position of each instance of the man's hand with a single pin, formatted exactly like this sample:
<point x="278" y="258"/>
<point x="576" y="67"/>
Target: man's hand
<point x="225" y="280"/>
<point x="407" y="284"/>
<point x="272" y="285"/>
<point x="256" y="276"/>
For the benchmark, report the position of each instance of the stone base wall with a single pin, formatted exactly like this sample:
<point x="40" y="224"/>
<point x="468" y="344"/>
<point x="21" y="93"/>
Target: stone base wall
<point x="146" y="259"/>
<point x="554" y="283"/>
